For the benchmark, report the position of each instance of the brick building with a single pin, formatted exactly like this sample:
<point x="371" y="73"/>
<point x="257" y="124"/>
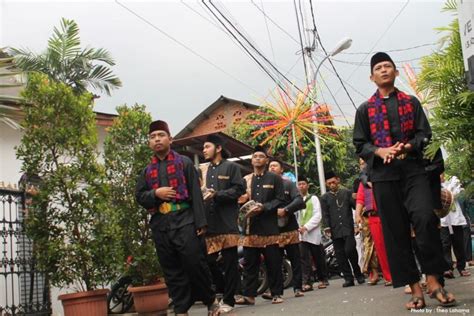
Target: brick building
<point x="217" y="117"/>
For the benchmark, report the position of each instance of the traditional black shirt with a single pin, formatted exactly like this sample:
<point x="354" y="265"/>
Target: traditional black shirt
<point x="268" y="190"/>
<point x="222" y="211"/>
<point x="293" y="203"/>
<point x="146" y="197"/>
<point x="337" y="212"/>
<point x="412" y="164"/>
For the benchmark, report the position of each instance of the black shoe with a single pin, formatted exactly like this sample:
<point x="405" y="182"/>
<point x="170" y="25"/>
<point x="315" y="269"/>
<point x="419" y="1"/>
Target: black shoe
<point x="348" y="283"/>
<point x="361" y="279"/>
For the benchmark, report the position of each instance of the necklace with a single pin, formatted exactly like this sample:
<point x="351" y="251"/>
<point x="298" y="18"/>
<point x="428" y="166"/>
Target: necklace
<point x="339" y="205"/>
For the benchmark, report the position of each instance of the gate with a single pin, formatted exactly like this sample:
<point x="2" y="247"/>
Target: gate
<point x="23" y="289"/>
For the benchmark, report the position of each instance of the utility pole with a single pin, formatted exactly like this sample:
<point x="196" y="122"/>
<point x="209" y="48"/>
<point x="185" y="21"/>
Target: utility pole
<point x="308" y="59"/>
<point x="308" y="51"/>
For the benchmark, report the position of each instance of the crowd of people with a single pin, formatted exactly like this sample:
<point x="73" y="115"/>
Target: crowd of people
<point x="200" y="219"/>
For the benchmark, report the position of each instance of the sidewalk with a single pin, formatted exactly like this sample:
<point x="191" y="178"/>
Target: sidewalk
<point x="357" y="300"/>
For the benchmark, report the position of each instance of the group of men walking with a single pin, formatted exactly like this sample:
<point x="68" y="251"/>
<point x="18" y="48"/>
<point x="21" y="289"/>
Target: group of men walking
<point x="193" y="220"/>
<point x="196" y="222"/>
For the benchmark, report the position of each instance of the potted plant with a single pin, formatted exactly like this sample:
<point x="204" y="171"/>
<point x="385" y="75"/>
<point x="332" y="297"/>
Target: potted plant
<point x="69" y="219"/>
<point x="126" y="152"/>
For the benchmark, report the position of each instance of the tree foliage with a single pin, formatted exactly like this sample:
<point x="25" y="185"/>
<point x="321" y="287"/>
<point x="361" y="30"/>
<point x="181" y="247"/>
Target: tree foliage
<point x="126" y="153"/>
<point x="70" y="222"/>
<point x="338" y="152"/>
<point x="442" y="78"/>
<point x="65" y="61"/>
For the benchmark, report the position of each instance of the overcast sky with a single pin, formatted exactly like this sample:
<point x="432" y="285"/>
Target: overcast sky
<point x="176" y="85"/>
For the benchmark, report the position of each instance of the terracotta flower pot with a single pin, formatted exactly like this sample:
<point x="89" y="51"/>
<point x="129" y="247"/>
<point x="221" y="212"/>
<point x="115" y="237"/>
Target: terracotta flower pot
<point x="150" y="298"/>
<point x="91" y="303"/>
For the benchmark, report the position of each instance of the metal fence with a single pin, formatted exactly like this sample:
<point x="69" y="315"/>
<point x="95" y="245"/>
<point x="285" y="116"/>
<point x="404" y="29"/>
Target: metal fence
<point x="23" y="289"/>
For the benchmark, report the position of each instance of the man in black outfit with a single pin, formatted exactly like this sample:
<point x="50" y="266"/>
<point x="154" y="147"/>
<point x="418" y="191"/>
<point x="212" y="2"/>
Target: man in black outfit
<point x="261" y="230"/>
<point x="169" y="189"/>
<point x="337" y="205"/>
<point x="288" y="225"/>
<point x="390" y="132"/>
<point x="224" y="185"/>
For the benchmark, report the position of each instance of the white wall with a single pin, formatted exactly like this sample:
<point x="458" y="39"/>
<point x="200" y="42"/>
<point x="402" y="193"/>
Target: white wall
<point x="10" y="172"/>
<point x="10" y="167"/>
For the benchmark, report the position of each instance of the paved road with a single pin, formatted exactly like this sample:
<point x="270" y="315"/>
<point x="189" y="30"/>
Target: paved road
<point x="357" y="300"/>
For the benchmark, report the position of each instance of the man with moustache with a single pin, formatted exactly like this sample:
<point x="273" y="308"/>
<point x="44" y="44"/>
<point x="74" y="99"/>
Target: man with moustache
<point x="169" y="189"/>
<point x="223" y="186"/>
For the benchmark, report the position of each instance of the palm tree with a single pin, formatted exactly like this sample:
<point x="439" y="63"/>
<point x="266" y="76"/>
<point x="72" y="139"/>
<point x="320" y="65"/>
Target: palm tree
<point x="442" y="78"/>
<point x="65" y="61"/>
<point x="9" y="88"/>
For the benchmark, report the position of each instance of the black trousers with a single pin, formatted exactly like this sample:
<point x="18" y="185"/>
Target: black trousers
<point x="316" y="253"/>
<point x="467" y="242"/>
<point x="273" y="262"/>
<point x="456" y="240"/>
<point x="293" y="253"/>
<point x="346" y="252"/>
<point x="182" y="257"/>
<point x="225" y="273"/>
<point x="403" y="203"/>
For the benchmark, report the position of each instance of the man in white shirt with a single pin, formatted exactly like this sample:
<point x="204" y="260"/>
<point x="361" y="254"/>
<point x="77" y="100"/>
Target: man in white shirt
<point x="452" y="234"/>
<point x="309" y="220"/>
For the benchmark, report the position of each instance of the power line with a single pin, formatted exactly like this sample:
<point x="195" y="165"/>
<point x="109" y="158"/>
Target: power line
<point x="301" y="42"/>
<point x="355" y="63"/>
<point x="236" y="25"/>
<point x="201" y="15"/>
<point x="249" y="43"/>
<point x="230" y="36"/>
<point x="234" y="22"/>
<point x="325" y="52"/>
<point x="220" y="28"/>
<point x="268" y="32"/>
<point x="311" y="65"/>
<point x="334" y="98"/>
<point x="379" y="39"/>
<point x="346" y="82"/>
<point x="247" y="50"/>
<point x="275" y="23"/>
<point x="392" y="50"/>
<point x="185" y="46"/>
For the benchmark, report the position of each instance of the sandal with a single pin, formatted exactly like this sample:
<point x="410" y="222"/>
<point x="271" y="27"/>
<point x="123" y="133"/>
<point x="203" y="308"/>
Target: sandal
<point x="407" y="289"/>
<point x="267" y="296"/>
<point x="464" y="273"/>
<point x="415" y="303"/>
<point x="307" y="288"/>
<point x="448" y="274"/>
<point x="322" y="286"/>
<point x="277" y="299"/>
<point x="448" y="302"/>
<point x="373" y="282"/>
<point x="245" y="300"/>
<point x="388" y="283"/>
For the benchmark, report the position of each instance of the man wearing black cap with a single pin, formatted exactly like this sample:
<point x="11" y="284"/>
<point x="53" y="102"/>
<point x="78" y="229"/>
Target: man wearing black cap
<point x="223" y="185"/>
<point x="389" y="134"/>
<point x="169" y="189"/>
<point x="289" y="236"/>
<point x="337" y="205"/>
<point x="261" y="229"/>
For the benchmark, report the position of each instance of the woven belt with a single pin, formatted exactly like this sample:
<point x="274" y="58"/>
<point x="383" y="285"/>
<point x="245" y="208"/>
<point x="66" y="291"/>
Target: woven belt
<point x="167" y="207"/>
